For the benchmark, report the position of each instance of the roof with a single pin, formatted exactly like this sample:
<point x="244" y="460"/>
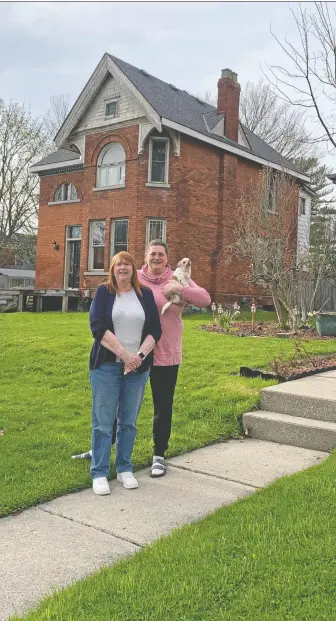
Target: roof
<point x="62" y="155"/>
<point x="17" y="272"/>
<point x="332" y="177"/>
<point x="184" y="109"/>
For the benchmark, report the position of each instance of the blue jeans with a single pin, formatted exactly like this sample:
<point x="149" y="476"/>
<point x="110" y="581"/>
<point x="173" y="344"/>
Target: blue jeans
<point x="114" y="394"/>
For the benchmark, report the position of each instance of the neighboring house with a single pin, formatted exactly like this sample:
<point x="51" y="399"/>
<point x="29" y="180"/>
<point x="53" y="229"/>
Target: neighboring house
<point x="14" y="276"/>
<point x="139" y="159"/>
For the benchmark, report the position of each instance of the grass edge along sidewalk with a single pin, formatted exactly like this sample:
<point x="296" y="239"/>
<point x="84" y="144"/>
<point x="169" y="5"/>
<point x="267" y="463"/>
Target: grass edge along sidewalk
<point x="46" y="400"/>
<point x="269" y="557"/>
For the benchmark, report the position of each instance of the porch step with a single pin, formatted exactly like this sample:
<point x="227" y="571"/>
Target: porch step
<point x="311" y="397"/>
<point x="281" y="428"/>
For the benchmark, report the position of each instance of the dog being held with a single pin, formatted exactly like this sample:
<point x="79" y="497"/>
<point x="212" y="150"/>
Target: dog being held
<point x="182" y="274"/>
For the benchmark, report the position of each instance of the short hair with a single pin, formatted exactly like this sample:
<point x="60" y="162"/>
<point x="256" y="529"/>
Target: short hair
<point x="111" y="283"/>
<point x="157" y="242"/>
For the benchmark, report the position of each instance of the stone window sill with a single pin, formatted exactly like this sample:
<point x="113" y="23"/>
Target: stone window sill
<point x="157" y="185"/>
<point x="96" y="273"/>
<point x="109" y="187"/>
<point x="74" y="200"/>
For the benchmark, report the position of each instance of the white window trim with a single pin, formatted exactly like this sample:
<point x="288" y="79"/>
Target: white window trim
<point x="166" y="177"/>
<point x="301" y="196"/>
<point x="90" y="258"/>
<point x="99" y="167"/>
<point x="74" y="200"/>
<point x="67" y="256"/>
<point x="164" y="228"/>
<point x="113" y="221"/>
<point x="108" y="101"/>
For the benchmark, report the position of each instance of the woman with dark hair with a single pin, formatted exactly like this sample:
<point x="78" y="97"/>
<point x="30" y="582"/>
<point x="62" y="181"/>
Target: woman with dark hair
<point x="125" y="324"/>
<point x="157" y="275"/>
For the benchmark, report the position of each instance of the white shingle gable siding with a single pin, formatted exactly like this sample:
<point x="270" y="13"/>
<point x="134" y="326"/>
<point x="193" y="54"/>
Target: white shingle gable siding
<point x="128" y="107"/>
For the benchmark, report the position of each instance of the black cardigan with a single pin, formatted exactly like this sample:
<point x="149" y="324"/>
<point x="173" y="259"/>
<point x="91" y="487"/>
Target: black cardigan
<point x="101" y="320"/>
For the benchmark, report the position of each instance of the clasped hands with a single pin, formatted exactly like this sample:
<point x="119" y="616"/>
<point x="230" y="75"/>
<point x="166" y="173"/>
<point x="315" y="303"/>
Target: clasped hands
<point x="131" y="361"/>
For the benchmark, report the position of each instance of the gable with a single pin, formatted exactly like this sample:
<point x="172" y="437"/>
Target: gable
<point x="128" y="107"/>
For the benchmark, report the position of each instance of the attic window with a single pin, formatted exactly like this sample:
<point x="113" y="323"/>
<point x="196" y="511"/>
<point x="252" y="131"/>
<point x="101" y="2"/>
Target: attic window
<point x="111" y="109"/>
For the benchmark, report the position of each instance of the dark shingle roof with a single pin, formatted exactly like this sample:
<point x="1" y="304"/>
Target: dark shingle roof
<point x="181" y="107"/>
<point x="63" y="155"/>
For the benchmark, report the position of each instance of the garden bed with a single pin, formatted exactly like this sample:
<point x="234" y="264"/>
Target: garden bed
<point x="265" y="328"/>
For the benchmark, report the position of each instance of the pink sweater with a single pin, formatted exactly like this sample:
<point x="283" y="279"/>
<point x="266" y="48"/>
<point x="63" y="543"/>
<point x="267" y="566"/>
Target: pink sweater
<point x="168" y="350"/>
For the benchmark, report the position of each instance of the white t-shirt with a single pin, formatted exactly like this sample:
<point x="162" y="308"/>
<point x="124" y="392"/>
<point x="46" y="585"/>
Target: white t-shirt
<point x="128" y="318"/>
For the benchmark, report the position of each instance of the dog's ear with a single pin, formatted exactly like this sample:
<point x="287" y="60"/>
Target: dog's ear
<point x="179" y="263"/>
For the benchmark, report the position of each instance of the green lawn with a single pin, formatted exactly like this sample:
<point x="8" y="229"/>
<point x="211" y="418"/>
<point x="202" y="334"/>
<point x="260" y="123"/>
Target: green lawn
<point x="45" y="399"/>
<point x="270" y="557"/>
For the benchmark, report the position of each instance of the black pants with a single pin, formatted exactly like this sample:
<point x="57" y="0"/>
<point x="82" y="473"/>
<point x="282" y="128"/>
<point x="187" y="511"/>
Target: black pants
<point x="163" y="382"/>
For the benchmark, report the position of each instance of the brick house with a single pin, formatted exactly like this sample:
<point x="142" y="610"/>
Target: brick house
<point x="137" y="159"/>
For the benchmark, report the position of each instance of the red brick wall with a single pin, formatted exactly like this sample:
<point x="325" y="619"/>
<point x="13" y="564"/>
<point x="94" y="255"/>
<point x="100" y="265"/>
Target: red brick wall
<point x="200" y="207"/>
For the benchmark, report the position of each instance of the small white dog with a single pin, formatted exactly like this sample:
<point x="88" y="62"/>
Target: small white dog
<point x="182" y="274"/>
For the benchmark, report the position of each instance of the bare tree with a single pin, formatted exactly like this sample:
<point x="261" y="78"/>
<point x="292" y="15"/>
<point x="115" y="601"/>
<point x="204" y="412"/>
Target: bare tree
<point x="56" y="114"/>
<point x="22" y="142"/>
<point x="309" y="78"/>
<point x="281" y="125"/>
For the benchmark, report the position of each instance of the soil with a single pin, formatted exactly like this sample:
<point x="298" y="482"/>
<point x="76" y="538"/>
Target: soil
<point x="295" y="368"/>
<point x="266" y="328"/>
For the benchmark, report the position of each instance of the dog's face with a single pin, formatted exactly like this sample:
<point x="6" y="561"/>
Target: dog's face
<point x="185" y="265"/>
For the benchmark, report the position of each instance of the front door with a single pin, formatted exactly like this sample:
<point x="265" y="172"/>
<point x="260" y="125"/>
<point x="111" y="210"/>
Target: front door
<point x="74" y="264"/>
<point x="73" y="250"/>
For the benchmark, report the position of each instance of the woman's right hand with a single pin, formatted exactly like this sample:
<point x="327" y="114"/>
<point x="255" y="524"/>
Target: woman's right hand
<point x="131" y="361"/>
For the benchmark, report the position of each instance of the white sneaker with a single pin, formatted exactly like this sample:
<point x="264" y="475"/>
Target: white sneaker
<point x="128" y="480"/>
<point x="101" y="486"/>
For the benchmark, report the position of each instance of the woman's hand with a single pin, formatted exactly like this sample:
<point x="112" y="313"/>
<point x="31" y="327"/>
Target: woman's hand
<point x="172" y="287"/>
<point x="131" y="361"/>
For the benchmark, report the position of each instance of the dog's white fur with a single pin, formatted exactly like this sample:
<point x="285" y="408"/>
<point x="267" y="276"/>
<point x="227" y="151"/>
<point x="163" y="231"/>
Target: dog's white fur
<point x="182" y="274"/>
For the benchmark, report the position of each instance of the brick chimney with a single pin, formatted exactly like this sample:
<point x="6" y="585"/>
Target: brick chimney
<point x="228" y="102"/>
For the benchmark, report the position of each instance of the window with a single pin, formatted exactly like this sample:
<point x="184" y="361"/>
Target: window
<point x="156" y="229"/>
<point x="97" y="245"/>
<point x="158" y="160"/>
<point x="302" y="206"/>
<point x="111" y="108"/>
<point x="271" y="202"/>
<point x="111" y="166"/>
<point x="119" y="236"/>
<point x="65" y="192"/>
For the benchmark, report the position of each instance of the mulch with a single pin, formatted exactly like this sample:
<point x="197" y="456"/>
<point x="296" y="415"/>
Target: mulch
<point x="266" y="328"/>
<point x="285" y="370"/>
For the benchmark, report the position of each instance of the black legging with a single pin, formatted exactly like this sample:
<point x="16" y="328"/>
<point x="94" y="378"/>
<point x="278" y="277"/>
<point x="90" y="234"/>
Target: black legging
<point x="163" y="382"/>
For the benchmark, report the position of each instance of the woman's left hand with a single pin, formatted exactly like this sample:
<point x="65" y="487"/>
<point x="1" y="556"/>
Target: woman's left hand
<point x="172" y="287"/>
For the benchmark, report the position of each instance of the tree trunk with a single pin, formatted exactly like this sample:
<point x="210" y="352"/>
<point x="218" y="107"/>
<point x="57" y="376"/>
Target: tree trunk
<point x="278" y="307"/>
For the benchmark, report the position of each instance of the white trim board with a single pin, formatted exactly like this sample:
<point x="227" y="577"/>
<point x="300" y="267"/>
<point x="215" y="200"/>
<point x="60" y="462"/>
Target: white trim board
<point x="55" y="165"/>
<point x="230" y="148"/>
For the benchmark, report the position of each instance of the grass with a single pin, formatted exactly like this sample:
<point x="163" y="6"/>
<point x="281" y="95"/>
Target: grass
<point x="46" y="400"/>
<point x="270" y="557"/>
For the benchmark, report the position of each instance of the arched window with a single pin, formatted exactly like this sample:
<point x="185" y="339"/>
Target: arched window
<point x="111" y="166"/>
<point x="65" y="192"/>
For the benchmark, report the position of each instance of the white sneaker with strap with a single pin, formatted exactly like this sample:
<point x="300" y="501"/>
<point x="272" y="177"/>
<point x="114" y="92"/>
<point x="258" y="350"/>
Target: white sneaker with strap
<point x="100" y="486"/>
<point x="128" y="480"/>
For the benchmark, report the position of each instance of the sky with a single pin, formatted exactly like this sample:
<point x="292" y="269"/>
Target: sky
<point x="51" y="48"/>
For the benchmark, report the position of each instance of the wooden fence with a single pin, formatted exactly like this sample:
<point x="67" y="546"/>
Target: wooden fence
<point x="324" y="298"/>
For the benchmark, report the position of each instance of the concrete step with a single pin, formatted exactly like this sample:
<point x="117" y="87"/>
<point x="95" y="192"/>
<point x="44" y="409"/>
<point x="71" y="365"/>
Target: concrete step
<point x="310" y="397"/>
<point x="317" y="435"/>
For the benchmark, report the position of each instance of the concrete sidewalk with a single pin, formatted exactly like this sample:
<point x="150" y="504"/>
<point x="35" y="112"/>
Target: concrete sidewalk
<point x="48" y="547"/>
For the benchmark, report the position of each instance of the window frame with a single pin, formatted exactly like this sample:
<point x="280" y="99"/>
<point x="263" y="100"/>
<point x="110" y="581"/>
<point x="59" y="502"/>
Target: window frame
<point x="112" y="244"/>
<point x="109" y="101"/>
<point x="272" y="193"/>
<point x="66" y="184"/>
<point x="100" y="167"/>
<point x="302" y="212"/>
<point x="164" y="228"/>
<point x="91" y="253"/>
<point x="150" y="160"/>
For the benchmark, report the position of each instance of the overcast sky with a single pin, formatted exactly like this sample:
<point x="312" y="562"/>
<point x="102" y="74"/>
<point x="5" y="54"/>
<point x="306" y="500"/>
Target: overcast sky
<point x="51" y="48"/>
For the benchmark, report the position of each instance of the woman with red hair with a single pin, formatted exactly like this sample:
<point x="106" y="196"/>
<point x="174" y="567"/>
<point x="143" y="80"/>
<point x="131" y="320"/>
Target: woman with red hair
<point x="125" y="324"/>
